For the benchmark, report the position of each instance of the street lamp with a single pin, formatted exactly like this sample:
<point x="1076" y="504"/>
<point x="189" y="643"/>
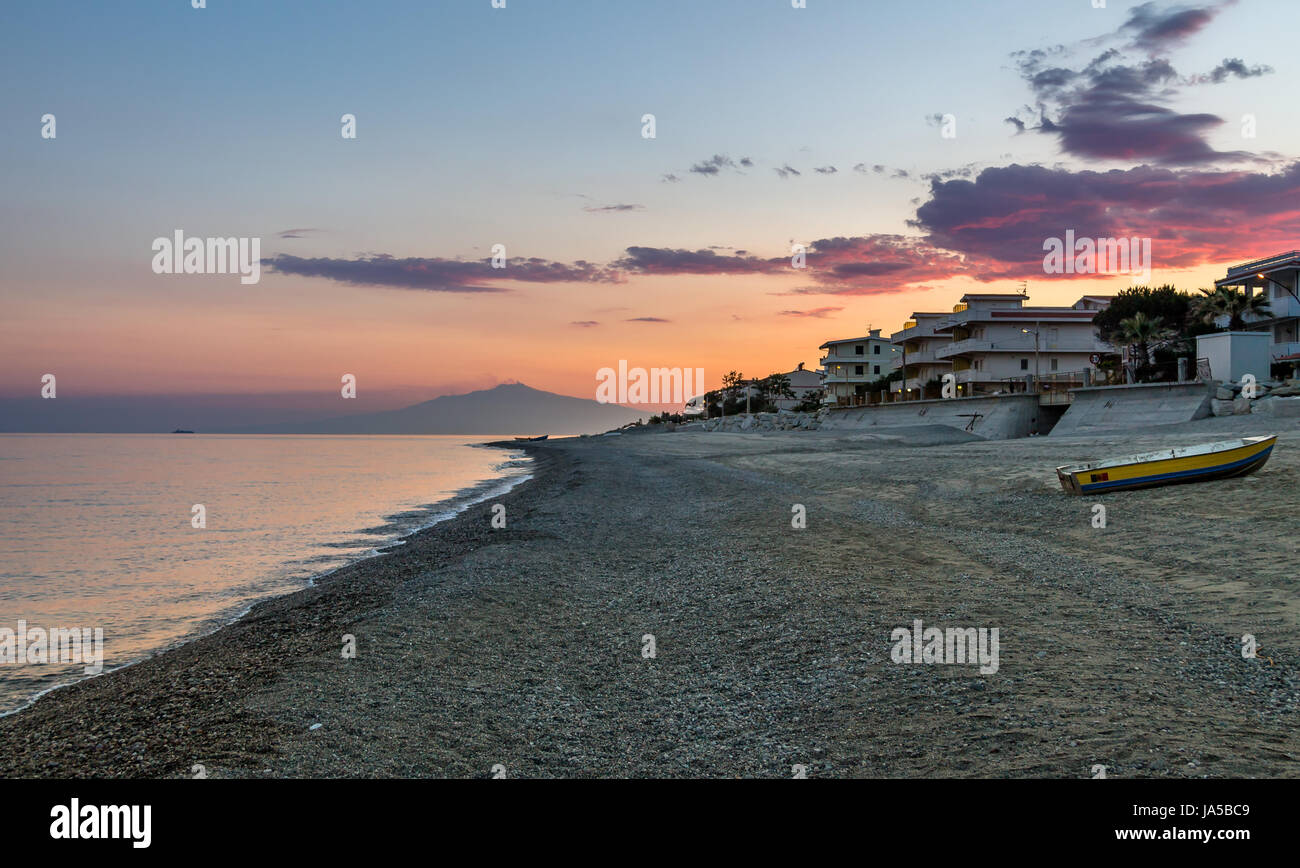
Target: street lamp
<point x="1034" y="332"/>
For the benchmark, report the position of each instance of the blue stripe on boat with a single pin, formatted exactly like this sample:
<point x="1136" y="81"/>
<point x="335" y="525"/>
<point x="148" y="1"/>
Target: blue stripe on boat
<point x="1180" y="474"/>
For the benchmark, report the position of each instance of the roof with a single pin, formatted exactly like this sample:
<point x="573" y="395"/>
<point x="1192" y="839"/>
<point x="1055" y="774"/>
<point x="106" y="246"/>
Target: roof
<point x="1247" y="270"/>
<point x="853" y="341"/>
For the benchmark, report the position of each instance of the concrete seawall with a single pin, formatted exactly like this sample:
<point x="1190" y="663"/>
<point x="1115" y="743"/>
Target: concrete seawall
<point x="1118" y="408"/>
<point x="994" y="418"/>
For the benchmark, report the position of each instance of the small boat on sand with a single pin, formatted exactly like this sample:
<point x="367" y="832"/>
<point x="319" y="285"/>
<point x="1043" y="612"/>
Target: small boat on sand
<point x="533" y="439"/>
<point x="1198" y="463"/>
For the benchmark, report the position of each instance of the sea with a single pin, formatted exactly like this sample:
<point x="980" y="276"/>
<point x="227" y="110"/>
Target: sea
<point x="157" y="539"/>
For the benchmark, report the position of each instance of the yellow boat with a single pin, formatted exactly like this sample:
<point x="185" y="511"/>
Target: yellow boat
<point x="1220" y="460"/>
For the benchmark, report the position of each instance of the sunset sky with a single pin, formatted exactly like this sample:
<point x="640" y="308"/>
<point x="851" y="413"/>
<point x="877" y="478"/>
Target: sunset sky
<point x="523" y="127"/>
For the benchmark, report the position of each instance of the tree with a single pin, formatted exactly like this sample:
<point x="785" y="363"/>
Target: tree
<point x="1165" y="302"/>
<point x="1143" y="334"/>
<point x="1232" y="303"/>
<point x="773" y="388"/>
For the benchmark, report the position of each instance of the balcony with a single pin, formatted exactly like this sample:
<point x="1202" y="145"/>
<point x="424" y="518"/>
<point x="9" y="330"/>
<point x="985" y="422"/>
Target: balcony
<point x="920" y="357"/>
<point x="1284" y="349"/>
<point x="1018" y="346"/>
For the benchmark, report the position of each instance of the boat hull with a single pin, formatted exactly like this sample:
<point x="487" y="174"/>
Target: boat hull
<point x="1238" y="461"/>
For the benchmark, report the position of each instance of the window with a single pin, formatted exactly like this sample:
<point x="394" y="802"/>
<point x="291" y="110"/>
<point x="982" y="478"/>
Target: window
<point x="877" y="369"/>
<point x="876" y="349"/>
<point x="859" y="350"/>
<point x="1024" y="364"/>
<point x="1054" y="364"/>
<point x="857" y="370"/>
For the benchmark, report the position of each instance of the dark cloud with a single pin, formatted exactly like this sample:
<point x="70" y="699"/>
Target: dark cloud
<point x="437" y="274"/>
<point x="998" y="221"/>
<point x="786" y="171"/>
<point x="663" y="260"/>
<point x="1157" y="29"/>
<point x="713" y="165"/>
<point x="670" y="179"/>
<point x="1232" y="67"/>
<point x="848" y="266"/>
<point x="1115" y="107"/>
<point x="605" y="209"/>
<point x="826" y="170"/>
<point x="647" y="319"/>
<point x="747" y="162"/>
<point x="296" y="233"/>
<point x="586" y="323"/>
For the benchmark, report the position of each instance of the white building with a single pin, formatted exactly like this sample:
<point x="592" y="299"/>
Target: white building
<point x="1278" y="277"/>
<point x="915" y="354"/>
<point x="852" y="364"/>
<point x="992" y="342"/>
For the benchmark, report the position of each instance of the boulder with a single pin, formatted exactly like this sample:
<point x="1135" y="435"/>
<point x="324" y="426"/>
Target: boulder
<point x="1223" y="393"/>
<point x="1220" y="408"/>
<point x="1240" y="405"/>
<point x="1288" y="408"/>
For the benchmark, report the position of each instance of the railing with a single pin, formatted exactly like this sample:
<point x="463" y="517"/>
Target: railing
<point x="1262" y="263"/>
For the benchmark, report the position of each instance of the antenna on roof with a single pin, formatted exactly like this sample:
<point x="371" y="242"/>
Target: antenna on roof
<point x="1024" y="287"/>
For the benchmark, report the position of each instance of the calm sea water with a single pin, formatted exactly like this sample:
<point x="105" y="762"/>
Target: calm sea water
<point x="96" y="530"/>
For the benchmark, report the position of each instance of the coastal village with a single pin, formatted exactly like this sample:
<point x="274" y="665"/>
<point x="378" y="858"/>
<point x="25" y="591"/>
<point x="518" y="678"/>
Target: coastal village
<point x="1019" y="369"/>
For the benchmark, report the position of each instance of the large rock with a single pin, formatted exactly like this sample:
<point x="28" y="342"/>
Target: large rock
<point x="1288" y="408"/>
<point x="1220" y="408"/>
<point x="1240" y="406"/>
<point x="1223" y="393"/>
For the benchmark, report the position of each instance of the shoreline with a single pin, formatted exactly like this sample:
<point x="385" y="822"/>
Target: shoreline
<point x="441" y="512"/>
<point x="524" y="646"/>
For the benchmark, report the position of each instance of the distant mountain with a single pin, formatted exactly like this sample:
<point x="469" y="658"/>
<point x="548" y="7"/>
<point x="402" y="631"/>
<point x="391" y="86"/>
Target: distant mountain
<point x="510" y="409"/>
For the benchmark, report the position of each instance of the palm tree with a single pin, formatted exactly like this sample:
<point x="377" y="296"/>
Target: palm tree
<point x="1232" y="303"/>
<point x="1143" y="333"/>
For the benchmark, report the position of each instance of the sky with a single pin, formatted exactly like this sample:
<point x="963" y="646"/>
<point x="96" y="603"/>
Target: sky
<point x="916" y="150"/>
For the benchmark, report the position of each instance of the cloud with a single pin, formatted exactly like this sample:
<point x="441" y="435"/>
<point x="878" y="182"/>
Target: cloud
<point x="826" y="170"/>
<point x="786" y="171"/>
<point x="604" y="209"/>
<point x="296" y="233"/>
<point x="586" y="323"/>
<point x="713" y="165"/>
<point x="999" y="221"/>
<point x="437" y="274"/>
<point x="647" y="319"/>
<point x="815" y="313"/>
<point x="1155" y="29"/>
<point x="664" y="260"/>
<point x="848" y="266"/>
<point x="1232" y="67"/>
<point x="1115" y="107"/>
<point x="670" y="179"/>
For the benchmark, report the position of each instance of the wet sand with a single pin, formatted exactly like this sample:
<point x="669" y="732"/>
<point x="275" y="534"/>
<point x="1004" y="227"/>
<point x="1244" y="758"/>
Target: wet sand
<point x="522" y="649"/>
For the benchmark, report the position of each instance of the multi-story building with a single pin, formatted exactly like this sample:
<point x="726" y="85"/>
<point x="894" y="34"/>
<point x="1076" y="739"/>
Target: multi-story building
<point x="992" y="342"/>
<point x="916" y="356"/>
<point x="997" y="341"/>
<point x="852" y="364"/>
<point x="1278" y="277"/>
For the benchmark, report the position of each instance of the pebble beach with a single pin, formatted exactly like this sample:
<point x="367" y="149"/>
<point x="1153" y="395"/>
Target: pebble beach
<point x="650" y="609"/>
